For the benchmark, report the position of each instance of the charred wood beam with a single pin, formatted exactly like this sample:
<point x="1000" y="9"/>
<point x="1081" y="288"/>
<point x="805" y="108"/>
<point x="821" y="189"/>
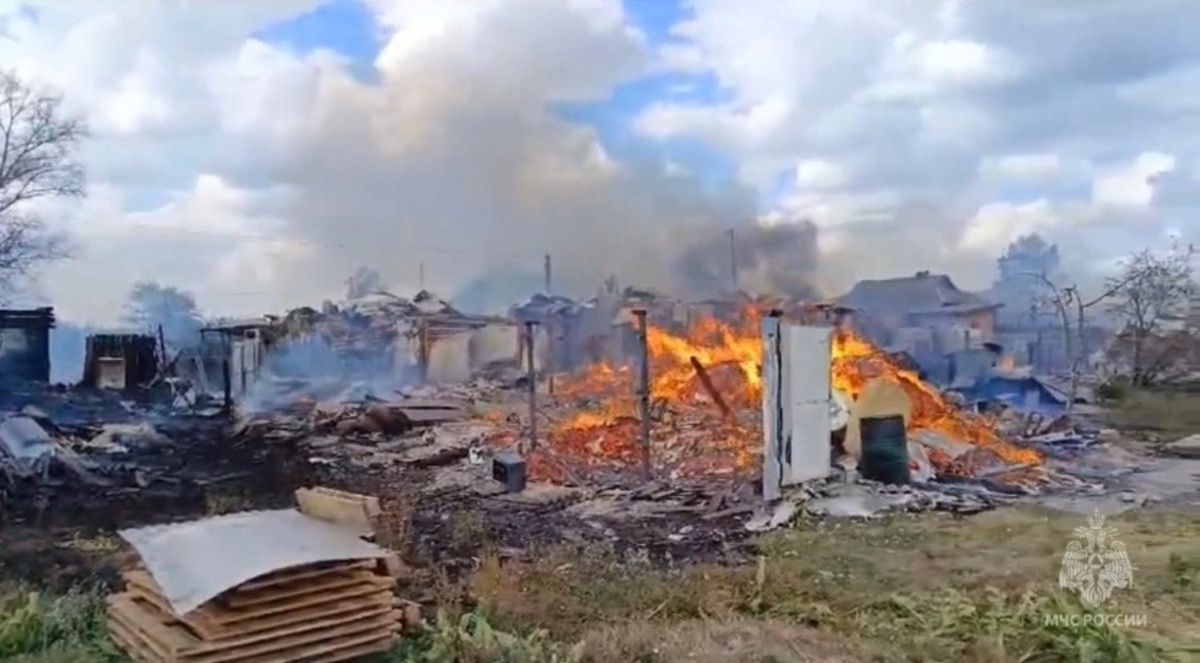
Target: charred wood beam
<point x="707" y="383"/>
<point x="643" y="389"/>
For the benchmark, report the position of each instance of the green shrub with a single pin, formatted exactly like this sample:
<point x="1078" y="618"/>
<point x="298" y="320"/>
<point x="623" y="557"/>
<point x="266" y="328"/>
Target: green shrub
<point x="31" y="623"/>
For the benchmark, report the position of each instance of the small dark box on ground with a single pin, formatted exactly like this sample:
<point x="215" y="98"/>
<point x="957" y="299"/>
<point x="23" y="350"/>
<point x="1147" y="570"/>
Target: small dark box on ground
<point x="509" y="469"/>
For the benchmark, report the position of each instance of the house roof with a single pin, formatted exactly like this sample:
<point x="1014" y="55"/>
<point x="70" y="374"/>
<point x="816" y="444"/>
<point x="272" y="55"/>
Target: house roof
<point x="922" y="293"/>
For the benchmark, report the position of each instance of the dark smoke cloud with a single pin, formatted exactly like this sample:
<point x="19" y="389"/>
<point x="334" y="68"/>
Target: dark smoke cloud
<point x="776" y="259"/>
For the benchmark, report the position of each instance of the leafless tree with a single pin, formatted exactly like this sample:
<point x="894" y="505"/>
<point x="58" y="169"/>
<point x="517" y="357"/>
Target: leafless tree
<point x="1072" y="309"/>
<point x="152" y="306"/>
<point x="1154" y="289"/>
<point x="38" y="143"/>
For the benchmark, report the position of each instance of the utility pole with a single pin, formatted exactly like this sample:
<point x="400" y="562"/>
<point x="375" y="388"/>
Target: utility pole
<point x="420" y="276"/>
<point x="547" y="272"/>
<point x="733" y="266"/>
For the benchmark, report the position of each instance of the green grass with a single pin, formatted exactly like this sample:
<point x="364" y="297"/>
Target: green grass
<point x="930" y="588"/>
<point x="925" y="588"/>
<point x="1171" y="413"/>
<point x="67" y="628"/>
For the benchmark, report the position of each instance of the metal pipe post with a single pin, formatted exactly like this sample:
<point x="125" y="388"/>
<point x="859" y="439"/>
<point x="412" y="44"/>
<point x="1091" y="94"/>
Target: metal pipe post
<point x="529" y="329"/>
<point x="227" y="385"/>
<point x="643" y="388"/>
<point x="551" y="358"/>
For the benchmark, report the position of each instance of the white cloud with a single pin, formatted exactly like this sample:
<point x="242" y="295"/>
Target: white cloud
<point x="1035" y="167"/>
<point x="227" y="165"/>
<point x="916" y="135"/>
<point x="991" y="112"/>
<point x="819" y="174"/>
<point x="1132" y="184"/>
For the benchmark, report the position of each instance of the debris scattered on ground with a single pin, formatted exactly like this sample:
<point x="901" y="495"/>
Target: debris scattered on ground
<point x="677" y="473"/>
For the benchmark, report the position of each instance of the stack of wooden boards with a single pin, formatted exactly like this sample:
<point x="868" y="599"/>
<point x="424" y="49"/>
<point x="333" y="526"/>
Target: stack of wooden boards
<point x="319" y="613"/>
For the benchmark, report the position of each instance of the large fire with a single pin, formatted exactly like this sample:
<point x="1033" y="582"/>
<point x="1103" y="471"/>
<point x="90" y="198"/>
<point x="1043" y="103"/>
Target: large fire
<point x="691" y="433"/>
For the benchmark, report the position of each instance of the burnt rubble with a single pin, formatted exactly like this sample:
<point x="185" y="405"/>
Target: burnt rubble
<point x="98" y="455"/>
<point x="480" y="452"/>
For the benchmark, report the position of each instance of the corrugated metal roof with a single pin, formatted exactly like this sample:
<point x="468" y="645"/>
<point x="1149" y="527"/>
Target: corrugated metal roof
<point x="194" y="562"/>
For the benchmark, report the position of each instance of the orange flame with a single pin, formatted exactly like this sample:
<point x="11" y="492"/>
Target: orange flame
<point x="605" y="431"/>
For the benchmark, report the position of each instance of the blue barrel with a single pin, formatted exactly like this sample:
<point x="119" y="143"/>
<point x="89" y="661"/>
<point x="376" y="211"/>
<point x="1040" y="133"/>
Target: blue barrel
<point x="884" y="450"/>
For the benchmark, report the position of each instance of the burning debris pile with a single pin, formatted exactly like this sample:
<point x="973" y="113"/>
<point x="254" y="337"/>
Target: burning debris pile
<point x="705" y="389"/>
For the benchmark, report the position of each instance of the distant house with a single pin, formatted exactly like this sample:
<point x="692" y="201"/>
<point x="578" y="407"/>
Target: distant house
<point x="921" y="301"/>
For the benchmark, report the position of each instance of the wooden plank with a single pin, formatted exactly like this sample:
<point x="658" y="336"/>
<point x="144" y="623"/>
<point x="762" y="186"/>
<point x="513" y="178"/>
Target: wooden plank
<point x="370" y="502"/>
<point x="306" y="572"/>
<point x="280" y="620"/>
<point x="130" y="644"/>
<point x="204" y="625"/>
<point x="138" y="643"/>
<point x="345" y="649"/>
<point x="334" y="585"/>
<point x="195" y="621"/>
<point x="229" y="616"/>
<point x="286" y="649"/>
<point x="166" y="640"/>
<point x="357" y="512"/>
<point x="390" y="566"/>
<point x="156" y="600"/>
<point x="330" y="651"/>
<point x="242" y="599"/>
<point x="136" y="626"/>
<point x="353" y="651"/>
<point x="271" y="641"/>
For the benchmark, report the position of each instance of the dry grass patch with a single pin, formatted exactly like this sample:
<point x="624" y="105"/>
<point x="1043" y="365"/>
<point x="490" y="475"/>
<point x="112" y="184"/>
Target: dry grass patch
<point x="906" y="589"/>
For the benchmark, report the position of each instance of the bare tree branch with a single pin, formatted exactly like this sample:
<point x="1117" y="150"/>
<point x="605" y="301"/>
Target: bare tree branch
<point x="1154" y="288"/>
<point x="1072" y="311"/>
<point x="38" y="144"/>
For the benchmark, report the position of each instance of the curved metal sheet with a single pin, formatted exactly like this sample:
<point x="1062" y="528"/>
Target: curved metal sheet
<point x="194" y="562"/>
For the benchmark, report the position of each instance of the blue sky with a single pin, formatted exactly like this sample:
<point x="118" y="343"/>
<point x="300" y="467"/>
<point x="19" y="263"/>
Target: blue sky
<point x="346" y="27"/>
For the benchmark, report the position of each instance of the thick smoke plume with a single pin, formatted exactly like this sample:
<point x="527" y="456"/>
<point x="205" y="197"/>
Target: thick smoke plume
<point x="456" y="160"/>
<point x="780" y="260"/>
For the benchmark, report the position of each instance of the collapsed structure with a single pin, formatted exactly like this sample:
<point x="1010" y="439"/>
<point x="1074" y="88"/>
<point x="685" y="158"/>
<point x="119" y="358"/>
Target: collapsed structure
<point x="739" y="395"/>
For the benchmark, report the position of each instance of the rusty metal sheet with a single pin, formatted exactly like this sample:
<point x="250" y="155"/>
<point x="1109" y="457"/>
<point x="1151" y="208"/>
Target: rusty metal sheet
<point x="196" y="561"/>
